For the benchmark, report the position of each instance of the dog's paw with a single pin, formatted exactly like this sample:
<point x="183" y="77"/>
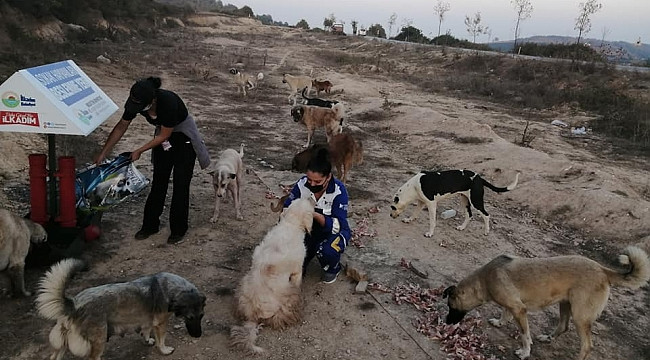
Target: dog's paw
<point x="407" y="220"/>
<point x="428" y="234"/>
<point x="240" y="217"/>
<point x="150" y="341"/>
<point x="214" y="219"/>
<point x="460" y="227"/>
<point x="544" y="338"/>
<point x="166" y="350"/>
<point x="522" y="353"/>
<point x="495" y="322"/>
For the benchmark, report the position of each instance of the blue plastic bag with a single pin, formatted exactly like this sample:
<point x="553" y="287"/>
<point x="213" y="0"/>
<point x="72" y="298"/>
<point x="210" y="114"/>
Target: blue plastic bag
<point x="103" y="186"/>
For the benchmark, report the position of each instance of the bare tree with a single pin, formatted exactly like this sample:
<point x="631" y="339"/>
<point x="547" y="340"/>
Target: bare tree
<point x="524" y="9"/>
<point x="474" y="26"/>
<point x="604" y="33"/>
<point x="440" y="9"/>
<point x="583" y="22"/>
<point x="391" y="23"/>
<point x="354" y="24"/>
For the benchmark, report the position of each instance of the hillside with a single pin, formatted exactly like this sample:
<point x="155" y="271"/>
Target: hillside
<point x="631" y="52"/>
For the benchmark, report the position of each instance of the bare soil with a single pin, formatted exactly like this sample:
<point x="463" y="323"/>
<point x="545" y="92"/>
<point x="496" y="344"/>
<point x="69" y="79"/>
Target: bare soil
<point x="575" y="196"/>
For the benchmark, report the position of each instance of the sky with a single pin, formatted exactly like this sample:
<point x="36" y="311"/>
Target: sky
<point x="626" y="20"/>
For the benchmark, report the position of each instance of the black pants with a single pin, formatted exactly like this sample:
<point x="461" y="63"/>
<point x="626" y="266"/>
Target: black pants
<point x="180" y="158"/>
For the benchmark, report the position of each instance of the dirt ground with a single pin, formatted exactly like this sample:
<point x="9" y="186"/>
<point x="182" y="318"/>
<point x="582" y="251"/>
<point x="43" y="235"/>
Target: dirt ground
<point x="576" y="196"/>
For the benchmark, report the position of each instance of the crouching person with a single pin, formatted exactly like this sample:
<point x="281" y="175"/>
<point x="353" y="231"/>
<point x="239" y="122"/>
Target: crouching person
<point x="331" y="232"/>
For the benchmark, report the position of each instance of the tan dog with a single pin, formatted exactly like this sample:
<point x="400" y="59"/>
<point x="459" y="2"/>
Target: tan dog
<point x="344" y="151"/>
<point x="16" y="234"/>
<point x="578" y="284"/>
<point x="245" y="81"/>
<point x="325" y="86"/>
<point x="314" y="117"/>
<point x="270" y="292"/>
<point x="296" y="83"/>
<point x="227" y="174"/>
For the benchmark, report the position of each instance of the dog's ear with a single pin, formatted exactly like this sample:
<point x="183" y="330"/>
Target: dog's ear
<point x="449" y="292"/>
<point x="232" y="176"/>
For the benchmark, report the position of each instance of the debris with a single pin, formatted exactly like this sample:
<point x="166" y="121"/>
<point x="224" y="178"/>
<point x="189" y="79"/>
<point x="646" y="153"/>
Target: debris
<point x="362" y="229"/>
<point x="579" y="131"/>
<point x="103" y="59"/>
<point x="373" y="210"/>
<point x="448" y="214"/>
<point x="559" y="123"/>
<point x="361" y="287"/>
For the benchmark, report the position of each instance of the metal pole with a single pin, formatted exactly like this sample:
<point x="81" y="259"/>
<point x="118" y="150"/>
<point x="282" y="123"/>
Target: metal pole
<point x="53" y="196"/>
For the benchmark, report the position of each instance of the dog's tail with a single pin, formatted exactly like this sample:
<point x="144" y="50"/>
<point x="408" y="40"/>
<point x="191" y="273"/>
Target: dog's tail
<point x="278" y="207"/>
<point x="512" y="186"/>
<point x="637" y="275"/>
<point x="51" y="301"/>
<point x="260" y="76"/>
<point x="241" y="150"/>
<point x="303" y="94"/>
<point x="243" y="337"/>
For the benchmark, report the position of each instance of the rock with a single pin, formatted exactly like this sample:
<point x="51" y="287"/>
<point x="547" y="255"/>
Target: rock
<point x="448" y="214"/>
<point x="103" y="59"/>
<point x="361" y="287"/>
<point x="418" y="269"/>
<point x="559" y="123"/>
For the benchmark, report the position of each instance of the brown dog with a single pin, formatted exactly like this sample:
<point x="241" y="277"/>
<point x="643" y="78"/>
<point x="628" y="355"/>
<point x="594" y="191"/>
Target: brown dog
<point x="314" y="117"/>
<point x="579" y="285"/>
<point x="344" y="150"/>
<point x="325" y="86"/>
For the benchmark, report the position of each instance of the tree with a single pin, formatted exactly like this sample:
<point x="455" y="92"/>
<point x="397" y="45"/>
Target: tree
<point x="302" y="24"/>
<point x="411" y="34"/>
<point x="354" y="24"/>
<point x="329" y="21"/>
<point x="245" y="11"/>
<point x="391" y="22"/>
<point x="440" y="9"/>
<point x="524" y="9"/>
<point x="376" y="30"/>
<point x="474" y="26"/>
<point x="406" y="24"/>
<point x="583" y="23"/>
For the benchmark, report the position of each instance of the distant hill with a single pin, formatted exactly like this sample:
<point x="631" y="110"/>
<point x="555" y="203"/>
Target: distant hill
<point x="630" y="52"/>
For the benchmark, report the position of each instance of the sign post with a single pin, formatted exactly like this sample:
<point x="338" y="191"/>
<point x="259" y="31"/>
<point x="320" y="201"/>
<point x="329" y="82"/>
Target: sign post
<point x="57" y="98"/>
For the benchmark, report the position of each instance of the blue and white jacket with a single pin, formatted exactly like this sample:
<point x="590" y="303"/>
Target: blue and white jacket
<point x="333" y="204"/>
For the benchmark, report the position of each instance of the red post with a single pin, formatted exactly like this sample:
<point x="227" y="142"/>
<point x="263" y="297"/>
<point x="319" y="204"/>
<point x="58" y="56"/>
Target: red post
<point x="67" y="197"/>
<point x="38" y="188"/>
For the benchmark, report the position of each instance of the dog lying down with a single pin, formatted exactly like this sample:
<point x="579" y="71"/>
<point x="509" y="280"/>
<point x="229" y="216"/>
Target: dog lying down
<point x="85" y="322"/>
<point x="428" y="187"/>
<point x="519" y="285"/>
<point x="269" y="293"/>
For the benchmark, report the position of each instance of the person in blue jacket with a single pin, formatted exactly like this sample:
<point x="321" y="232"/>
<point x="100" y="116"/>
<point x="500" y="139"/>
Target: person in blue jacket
<point x="331" y="232"/>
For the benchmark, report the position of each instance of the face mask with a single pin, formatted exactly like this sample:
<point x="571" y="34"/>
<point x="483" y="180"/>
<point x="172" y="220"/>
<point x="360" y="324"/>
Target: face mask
<point x="316" y="188"/>
<point x="146" y="108"/>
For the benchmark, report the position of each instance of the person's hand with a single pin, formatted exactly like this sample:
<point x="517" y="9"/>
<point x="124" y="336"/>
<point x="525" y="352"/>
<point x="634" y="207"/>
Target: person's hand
<point x="98" y="159"/>
<point x="135" y="155"/>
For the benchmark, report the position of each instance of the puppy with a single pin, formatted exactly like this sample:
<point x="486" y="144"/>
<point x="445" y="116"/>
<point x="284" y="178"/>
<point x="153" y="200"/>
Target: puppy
<point x="429" y="187"/>
<point x="325" y="86"/>
<point x="227" y="174"/>
<point x="244" y="81"/>
<point x="295" y="84"/>
<point x="578" y="284"/>
<point x="16" y="235"/>
<point x="85" y="322"/>
<point x="314" y="117"/>
<point x="344" y="151"/>
<point x="269" y="293"/>
<point x="317" y="102"/>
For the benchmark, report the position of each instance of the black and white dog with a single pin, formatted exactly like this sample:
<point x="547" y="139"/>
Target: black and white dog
<point x="429" y="187"/>
<point x="316" y="101"/>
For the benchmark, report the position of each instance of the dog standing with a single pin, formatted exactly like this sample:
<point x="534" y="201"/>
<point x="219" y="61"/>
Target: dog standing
<point x="314" y="117"/>
<point x="316" y="101"/>
<point x="295" y="84"/>
<point x="344" y="151"/>
<point x="519" y="285"/>
<point x="85" y="322"/>
<point x="16" y="235"/>
<point x="227" y="174"/>
<point x="244" y="81"/>
<point x="269" y="293"/>
<point x="325" y="86"/>
<point x="429" y="187"/>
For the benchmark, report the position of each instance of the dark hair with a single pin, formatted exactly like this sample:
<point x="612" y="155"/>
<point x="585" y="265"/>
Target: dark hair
<point x="144" y="90"/>
<point x="320" y="162"/>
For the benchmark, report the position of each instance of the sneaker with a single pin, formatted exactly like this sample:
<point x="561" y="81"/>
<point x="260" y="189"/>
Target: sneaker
<point x="329" y="278"/>
<point x="144" y="233"/>
<point x="175" y="239"/>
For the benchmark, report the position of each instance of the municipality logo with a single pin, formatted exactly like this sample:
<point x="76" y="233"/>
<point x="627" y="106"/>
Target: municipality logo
<point x="10" y="99"/>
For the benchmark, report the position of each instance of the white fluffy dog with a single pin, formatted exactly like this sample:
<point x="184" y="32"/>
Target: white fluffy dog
<point x="269" y="293"/>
